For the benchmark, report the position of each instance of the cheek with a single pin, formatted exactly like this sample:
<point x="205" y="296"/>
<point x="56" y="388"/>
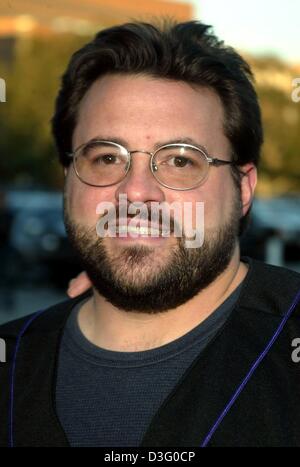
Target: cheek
<point x="82" y="200"/>
<point x="217" y="197"/>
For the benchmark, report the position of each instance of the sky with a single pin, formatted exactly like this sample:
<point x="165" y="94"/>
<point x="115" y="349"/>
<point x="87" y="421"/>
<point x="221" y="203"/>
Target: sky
<point x="257" y="26"/>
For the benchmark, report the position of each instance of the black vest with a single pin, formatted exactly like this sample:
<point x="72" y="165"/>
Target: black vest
<point x="243" y="390"/>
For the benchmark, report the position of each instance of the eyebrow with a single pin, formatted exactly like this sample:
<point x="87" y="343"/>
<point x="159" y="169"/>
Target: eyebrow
<point x="158" y="144"/>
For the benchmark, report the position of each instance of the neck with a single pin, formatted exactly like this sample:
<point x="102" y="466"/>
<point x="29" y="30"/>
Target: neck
<point x="113" y="329"/>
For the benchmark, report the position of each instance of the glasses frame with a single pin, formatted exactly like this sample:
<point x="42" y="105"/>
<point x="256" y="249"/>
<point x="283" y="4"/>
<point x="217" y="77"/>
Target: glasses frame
<point x="209" y="159"/>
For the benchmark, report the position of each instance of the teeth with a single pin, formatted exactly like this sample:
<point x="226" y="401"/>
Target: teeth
<point x="124" y="229"/>
<point x="138" y="230"/>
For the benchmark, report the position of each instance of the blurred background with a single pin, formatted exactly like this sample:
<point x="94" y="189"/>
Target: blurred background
<point x="37" y="38"/>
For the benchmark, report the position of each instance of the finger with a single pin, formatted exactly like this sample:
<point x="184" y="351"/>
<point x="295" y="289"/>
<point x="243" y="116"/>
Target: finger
<point x="71" y="283"/>
<point x="78" y="285"/>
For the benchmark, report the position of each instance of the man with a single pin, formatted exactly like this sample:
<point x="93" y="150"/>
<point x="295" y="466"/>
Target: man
<point x="177" y="344"/>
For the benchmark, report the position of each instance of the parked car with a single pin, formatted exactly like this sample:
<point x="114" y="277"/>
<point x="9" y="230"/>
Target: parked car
<point x="274" y="230"/>
<point x="38" y="236"/>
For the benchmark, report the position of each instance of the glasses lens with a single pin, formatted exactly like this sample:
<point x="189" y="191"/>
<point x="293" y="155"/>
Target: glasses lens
<point x="180" y="166"/>
<point x="101" y="163"/>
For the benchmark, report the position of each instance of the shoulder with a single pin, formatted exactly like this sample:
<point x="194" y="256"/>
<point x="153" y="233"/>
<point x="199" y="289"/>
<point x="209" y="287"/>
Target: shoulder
<point x="45" y="320"/>
<point x="261" y="267"/>
<point x="270" y="288"/>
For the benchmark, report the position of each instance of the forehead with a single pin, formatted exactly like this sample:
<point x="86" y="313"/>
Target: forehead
<point x="148" y="106"/>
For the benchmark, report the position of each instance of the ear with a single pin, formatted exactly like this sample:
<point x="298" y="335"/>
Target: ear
<point x="248" y="184"/>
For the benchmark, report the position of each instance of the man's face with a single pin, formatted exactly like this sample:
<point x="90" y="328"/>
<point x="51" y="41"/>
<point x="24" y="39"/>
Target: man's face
<point x="152" y="274"/>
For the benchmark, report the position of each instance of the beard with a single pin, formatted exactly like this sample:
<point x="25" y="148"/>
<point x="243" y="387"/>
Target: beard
<point x="148" y="279"/>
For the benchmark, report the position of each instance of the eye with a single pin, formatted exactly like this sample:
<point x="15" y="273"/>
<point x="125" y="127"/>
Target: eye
<point x="106" y="159"/>
<point x="180" y="161"/>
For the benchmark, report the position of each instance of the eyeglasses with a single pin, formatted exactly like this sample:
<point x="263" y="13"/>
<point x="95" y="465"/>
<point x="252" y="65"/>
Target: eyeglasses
<point x="177" y="166"/>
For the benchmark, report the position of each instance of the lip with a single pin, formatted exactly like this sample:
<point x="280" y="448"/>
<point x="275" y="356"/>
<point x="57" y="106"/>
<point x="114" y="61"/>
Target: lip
<point x="137" y="222"/>
<point x="141" y="239"/>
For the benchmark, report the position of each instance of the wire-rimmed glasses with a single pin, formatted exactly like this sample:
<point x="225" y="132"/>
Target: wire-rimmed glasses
<point x="176" y="166"/>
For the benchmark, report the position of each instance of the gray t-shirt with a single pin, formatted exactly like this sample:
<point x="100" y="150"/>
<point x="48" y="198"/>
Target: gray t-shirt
<point x="106" y="398"/>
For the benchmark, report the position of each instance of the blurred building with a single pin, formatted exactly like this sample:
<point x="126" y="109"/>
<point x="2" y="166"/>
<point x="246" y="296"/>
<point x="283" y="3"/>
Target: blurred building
<point x="23" y="18"/>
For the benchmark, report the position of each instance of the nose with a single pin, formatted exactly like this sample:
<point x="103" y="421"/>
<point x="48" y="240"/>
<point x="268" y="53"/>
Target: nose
<point x="139" y="183"/>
